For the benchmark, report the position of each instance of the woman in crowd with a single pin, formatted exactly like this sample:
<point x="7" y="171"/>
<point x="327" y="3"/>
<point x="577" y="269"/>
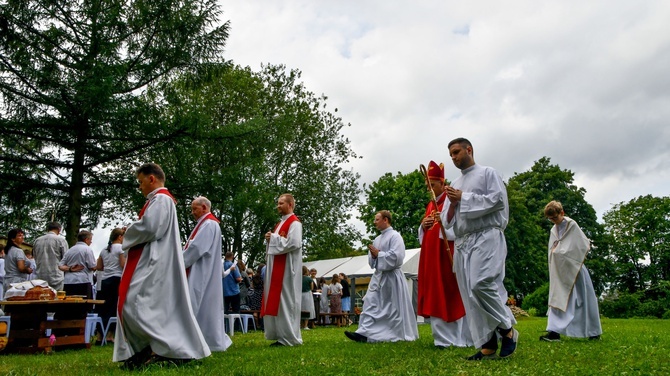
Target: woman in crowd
<point x="325" y="302"/>
<point x="245" y="285"/>
<point x="17" y="267"/>
<point x="335" y="292"/>
<point x="111" y="262"/>
<point x="257" y="290"/>
<point x="2" y="273"/>
<point x="31" y="263"/>
<point x="346" y="295"/>
<point x="307" y="302"/>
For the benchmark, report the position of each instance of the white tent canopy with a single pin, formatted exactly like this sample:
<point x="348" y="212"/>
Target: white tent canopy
<point x="355" y="267"/>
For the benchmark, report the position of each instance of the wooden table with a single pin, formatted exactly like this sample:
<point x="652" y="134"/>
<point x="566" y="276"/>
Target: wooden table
<point x="29" y="323"/>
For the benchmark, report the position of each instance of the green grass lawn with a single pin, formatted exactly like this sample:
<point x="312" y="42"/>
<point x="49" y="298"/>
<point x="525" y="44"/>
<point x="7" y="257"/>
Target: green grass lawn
<point x="628" y="347"/>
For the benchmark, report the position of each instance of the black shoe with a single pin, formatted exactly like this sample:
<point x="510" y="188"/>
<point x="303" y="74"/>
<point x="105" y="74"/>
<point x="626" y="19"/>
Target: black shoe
<point x="169" y="361"/>
<point x="508" y="345"/>
<point x="594" y="338"/>
<point x="481" y="356"/>
<point x="551" y="337"/>
<point x="277" y="344"/>
<point x="355" y="336"/>
<point x="138" y="360"/>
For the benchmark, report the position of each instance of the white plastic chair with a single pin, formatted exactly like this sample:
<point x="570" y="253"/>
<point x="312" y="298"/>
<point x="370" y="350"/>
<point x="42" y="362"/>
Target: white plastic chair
<point x="112" y="320"/>
<point x="244" y="318"/>
<point x="231" y="317"/>
<point x="92" y="320"/>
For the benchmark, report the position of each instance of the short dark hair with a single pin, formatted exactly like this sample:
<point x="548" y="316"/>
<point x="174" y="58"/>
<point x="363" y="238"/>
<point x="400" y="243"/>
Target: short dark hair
<point x="386" y="214"/>
<point x="83" y="235"/>
<point x="151" y="169"/>
<point x="53" y="226"/>
<point x="460" y="140"/>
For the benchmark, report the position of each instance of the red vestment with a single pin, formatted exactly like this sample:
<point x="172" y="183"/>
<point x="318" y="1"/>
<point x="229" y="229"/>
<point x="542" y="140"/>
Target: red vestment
<point x="438" y="289"/>
<point x="132" y="260"/>
<point x="271" y="306"/>
<point x="208" y="216"/>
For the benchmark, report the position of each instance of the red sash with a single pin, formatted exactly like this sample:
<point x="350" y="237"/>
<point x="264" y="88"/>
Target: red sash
<point x="133" y="258"/>
<point x="209" y="216"/>
<point x="271" y="306"/>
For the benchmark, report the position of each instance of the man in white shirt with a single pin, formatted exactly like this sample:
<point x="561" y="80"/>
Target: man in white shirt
<point x="48" y="250"/>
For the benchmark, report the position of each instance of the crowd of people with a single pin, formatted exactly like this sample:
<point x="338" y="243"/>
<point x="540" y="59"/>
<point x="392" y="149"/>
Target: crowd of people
<point x="170" y="300"/>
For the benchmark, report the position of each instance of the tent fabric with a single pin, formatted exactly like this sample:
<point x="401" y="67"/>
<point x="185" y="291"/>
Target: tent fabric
<point x="357" y="267"/>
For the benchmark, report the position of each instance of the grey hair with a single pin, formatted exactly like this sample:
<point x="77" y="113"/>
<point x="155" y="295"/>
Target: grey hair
<point x="202" y="200"/>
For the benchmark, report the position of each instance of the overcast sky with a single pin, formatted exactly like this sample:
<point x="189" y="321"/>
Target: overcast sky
<point x="585" y="83"/>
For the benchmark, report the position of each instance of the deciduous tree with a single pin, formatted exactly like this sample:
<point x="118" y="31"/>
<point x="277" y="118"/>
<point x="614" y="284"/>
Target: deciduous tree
<point x="405" y="196"/>
<point x="72" y="76"/>
<point x="261" y="134"/>
<point x="640" y="230"/>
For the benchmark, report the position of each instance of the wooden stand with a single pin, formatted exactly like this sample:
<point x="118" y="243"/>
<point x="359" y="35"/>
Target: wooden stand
<point x="29" y="324"/>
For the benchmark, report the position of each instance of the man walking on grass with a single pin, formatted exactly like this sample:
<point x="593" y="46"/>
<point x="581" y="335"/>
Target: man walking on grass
<point x="388" y="315"/>
<point x="478" y="212"/>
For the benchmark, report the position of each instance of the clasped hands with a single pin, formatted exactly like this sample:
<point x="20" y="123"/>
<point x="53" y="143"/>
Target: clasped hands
<point x="374" y="251"/>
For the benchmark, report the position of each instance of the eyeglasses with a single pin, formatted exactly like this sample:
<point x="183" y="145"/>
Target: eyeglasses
<point x="552" y="219"/>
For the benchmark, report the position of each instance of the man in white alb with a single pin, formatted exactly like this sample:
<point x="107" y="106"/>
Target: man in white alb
<point x="283" y="277"/>
<point x="202" y="259"/>
<point x="155" y="317"/>
<point x="388" y="315"/>
<point x="478" y="213"/>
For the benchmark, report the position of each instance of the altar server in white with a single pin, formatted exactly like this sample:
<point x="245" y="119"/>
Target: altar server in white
<point x="573" y="306"/>
<point x="388" y="315"/>
<point x="478" y="212"/>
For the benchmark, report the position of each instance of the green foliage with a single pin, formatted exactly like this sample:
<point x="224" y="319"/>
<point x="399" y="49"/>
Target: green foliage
<point x="405" y="196"/>
<point x="620" y="306"/>
<point x="653" y="302"/>
<point x="538" y="300"/>
<point x="631" y="347"/>
<point x="74" y="119"/>
<point x="258" y="135"/>
<point x="534" y="189"/>
<point x="640" y="231"/>
<point x="526" y="264"/>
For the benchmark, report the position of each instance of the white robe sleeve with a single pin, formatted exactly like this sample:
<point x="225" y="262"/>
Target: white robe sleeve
<point x="474" y="205"/>
<point x="227" y="272"/>
<point x="153" y="226"/>
<point x="200" y="244"/>
<point x="293" y="241"/>
<point x="394" y="256"/>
